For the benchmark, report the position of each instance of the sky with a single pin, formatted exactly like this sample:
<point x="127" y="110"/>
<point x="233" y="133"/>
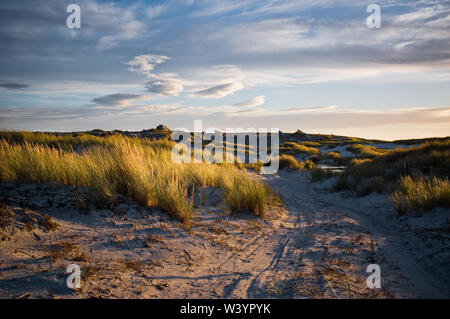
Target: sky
<point x="287" y="64"/>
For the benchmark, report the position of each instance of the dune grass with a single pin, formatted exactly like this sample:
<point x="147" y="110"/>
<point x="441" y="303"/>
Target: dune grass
<point x="423" y="186"/>
<point x="137" y="168"/>
<point x="241" y="193"/>
<point x="311" y="144"/>
<point x="290" y="163"/>
<point x="365" y="151"/>
<point x="421" y="194"/>
<point x="319" y="174"/>
<point x="293" y="148"/>
<point x="389" y="167"/>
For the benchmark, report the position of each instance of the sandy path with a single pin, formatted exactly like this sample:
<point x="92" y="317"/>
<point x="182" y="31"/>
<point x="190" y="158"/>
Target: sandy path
<point x="402" y="274"/>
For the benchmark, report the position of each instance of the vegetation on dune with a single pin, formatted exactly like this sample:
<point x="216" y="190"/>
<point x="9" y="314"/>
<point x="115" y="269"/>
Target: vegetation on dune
<point x="137" y="168"/>
<point x="319" y="174"/>
<point x="391" y="166"/>
<point x="421" y="193"/>
<point x="241" y="193"/>
<point x="311" y="144"/>
<point x="290" y="163"/>
<point x="293" y="148"/>
<point x="335" y="157"/>
<point x="332" y="155"/>
<point x="6" y="216"/>
<point x="366" y="151"/>
<point x="77" y="141"/>
<point x="416" y="176"/>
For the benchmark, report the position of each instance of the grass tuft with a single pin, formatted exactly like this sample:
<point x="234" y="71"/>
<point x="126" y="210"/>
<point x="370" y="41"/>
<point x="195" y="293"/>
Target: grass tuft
<point x="6" y="216"/>
<point x="421" y="194"/>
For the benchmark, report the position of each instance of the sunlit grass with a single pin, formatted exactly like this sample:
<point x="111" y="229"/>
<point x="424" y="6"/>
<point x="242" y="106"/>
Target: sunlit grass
<point x="137" y="168"/>
<point x="290" y="163"/>
<point x="390" y="166"/>
<point x="293" y="148"/>
<point x="421" y="193"/>
<point x="366" y="151"/>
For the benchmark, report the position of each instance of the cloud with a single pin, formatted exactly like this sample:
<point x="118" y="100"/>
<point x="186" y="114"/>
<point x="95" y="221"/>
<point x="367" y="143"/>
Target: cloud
<point x="221" y="90"/>
<point x="123" y="22"/>
<point x="171" y="87"/>
<point x="267" y="35"/>
<point x="168" y="84"/>
<point x="331" y="47"/>
<point x="118" y="99"/>
<point x="145" y="63"/>
<point x="13" y="86"/>
<point x="256" y="101"/>
<point x="156" y="10"/>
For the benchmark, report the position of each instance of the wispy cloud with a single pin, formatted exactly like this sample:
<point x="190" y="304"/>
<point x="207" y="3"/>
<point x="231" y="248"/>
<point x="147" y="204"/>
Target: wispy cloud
<point x="221" y="90"/>
<point x="13" y="86"/>
<point x="256" y="101"/>
<point x="119" y="99"/>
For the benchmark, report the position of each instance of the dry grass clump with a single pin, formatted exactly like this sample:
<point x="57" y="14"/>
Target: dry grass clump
<point x="293" y="148"/>
<point x="365" y="151"/>
<point x="421" y="193"/>
<point x="241" y="193"/>
<point x="332" y="155"/>
<point x="290" y="163"/>
<point x="6" y="216"/>
<point x="308" y="164"/>
<point x="135" y="265"/>
<point x="311" y="144"/>
<point x="49" y="223"/>
<point x="90" y="272"/>
<point x="152" y="239"/>
<point x="319" y="174"/>
<point x="359" y="161"/>
<point x="61" y="250"/>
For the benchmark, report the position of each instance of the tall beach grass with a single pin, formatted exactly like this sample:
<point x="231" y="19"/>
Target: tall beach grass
<point x="421" y="194"/>
<point x="137" y="168"/>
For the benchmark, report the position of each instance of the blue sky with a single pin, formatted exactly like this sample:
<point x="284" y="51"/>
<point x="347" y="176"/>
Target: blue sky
<point x="309" y="65"/>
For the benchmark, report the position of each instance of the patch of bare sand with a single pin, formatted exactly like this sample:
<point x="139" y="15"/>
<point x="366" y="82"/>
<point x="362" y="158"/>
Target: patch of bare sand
<point x="127" y="251"/>
<point x="319" y="247"/>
